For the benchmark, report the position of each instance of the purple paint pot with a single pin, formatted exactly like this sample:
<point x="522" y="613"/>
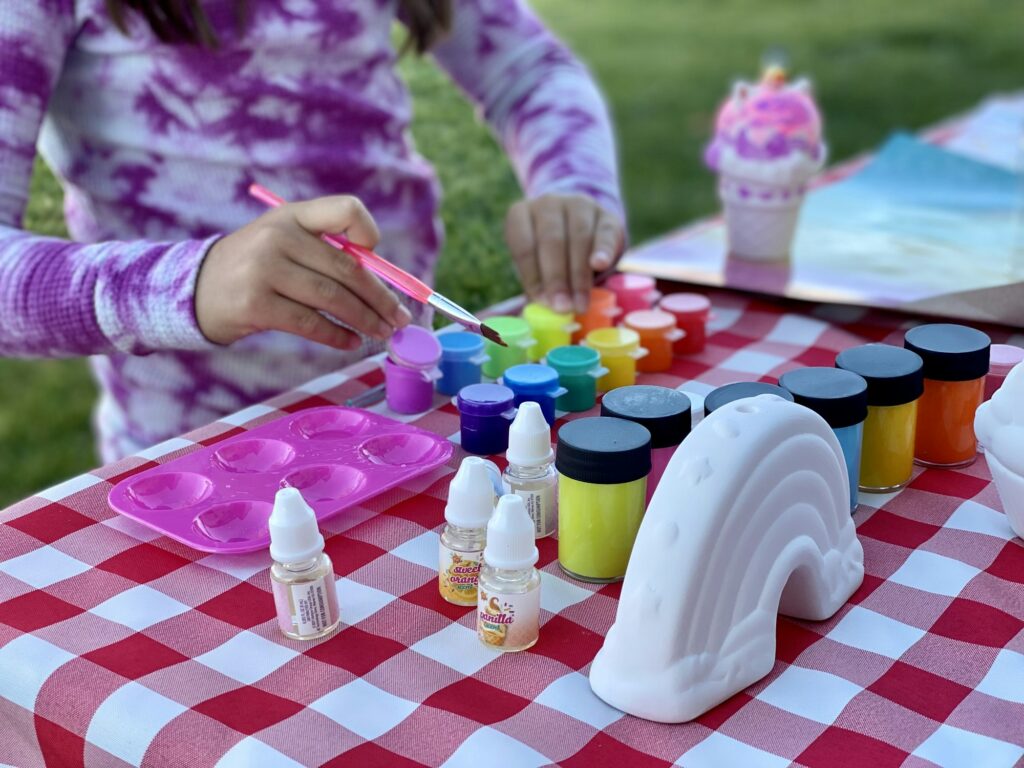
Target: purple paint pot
<point x="411" y="370"/>
<point x="485" y="414"/>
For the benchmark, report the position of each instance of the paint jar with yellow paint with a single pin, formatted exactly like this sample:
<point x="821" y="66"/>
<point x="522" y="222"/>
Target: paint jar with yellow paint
<point x="895" y="381"/>
<point x="602" y="463"/>
<point x="550" y="329"/>
<point x="619" y="349"/>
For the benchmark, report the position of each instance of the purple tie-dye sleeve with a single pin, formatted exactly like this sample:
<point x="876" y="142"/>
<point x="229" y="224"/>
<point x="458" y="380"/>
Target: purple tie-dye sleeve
<point x="540" y="100"/>
<point x="59" y="298"/>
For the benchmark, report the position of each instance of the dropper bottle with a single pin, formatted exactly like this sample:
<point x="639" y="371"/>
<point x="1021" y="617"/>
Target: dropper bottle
<point x="302" y="575"/>
<point x="531" y="471"/>
<point x="508" y="611"/>
<point x="470" y="504"/>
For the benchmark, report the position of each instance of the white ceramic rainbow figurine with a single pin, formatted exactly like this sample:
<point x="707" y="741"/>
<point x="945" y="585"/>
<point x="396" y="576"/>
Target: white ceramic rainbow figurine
<point x="751" y="518"/>
<point x="999" y="425"/>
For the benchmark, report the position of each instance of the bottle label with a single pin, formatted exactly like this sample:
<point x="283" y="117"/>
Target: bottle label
<point x="540" y="504"/>
<point x="458" y="574"/>
<point x="306" y="608"/>
<point x="508" y="620"/>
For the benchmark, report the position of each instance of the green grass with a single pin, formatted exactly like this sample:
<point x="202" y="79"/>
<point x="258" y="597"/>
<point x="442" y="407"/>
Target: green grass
<point x="664" y="64"/>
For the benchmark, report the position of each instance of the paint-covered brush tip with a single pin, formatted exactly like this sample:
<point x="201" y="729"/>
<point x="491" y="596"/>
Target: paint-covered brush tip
<point x="493" y="335"/>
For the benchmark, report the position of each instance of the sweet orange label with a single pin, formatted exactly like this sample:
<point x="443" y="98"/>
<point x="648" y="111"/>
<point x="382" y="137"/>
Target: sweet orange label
<point x="458" y="575"/>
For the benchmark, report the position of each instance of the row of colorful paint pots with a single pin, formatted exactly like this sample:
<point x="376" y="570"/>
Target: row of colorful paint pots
<point x="607" y="357"/>
<point x="888" y="405"/>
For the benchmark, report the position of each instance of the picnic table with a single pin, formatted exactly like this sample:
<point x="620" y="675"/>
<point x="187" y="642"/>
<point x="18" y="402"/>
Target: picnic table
<point x="119" y="646"/>
<point x="122" y="647"/>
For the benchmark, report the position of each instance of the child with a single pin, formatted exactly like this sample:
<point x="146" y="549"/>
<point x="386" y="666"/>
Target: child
<point x="158" y="114"/>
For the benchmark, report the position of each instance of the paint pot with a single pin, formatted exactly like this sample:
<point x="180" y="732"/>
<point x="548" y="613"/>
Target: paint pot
<point x="462" y="355"/>
<point x="633" y="292"/>
<point x="691" y="311"/>
<point x="716" y="398"/>
<point x="550" y="329"/>
<point x="535" y="383"/>
<point x="515" y="332"/>
<point x="664" y="412"/>
<point x="619" y="349"/>
<point x="956" y="362"/>
<point x="841" y="399"/>
<point x="601" y="313"/>
<point x="602" y="465"/>
<point x="1003" y="358"/>
<point x="410" y="370"/>
<point x="658" y="333"/>
<point x="895" y="382"/>
<point x="485" y="414"/>
<point x="579" y="369"/>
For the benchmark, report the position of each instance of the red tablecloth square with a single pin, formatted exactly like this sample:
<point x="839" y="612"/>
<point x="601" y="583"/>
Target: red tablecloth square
<point x="248" y="709"/>
<point x="52" y="522"/>
<point x="243" y="605"/>
<point x="143" y="563"/>
<point x="135" y="656"/>
<point x="928" y="694"/>
<point x="839" y="748"/>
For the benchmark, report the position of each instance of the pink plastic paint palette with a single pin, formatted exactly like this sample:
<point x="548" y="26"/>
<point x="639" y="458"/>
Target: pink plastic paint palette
<point x="219" y="499"/>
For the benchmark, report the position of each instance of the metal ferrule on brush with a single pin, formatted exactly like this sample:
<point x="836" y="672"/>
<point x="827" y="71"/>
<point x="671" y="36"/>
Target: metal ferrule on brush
<point x="453" y="311"/>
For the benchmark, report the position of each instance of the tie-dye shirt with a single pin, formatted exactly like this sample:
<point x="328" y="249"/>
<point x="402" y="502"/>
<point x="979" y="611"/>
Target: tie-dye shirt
<point x="156" y="145"/>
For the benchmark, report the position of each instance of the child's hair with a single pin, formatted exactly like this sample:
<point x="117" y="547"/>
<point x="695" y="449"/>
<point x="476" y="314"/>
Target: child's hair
<point x="184" y="21"/>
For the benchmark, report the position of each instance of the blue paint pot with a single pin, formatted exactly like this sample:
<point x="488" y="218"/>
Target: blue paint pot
<point x="462" y="355"/>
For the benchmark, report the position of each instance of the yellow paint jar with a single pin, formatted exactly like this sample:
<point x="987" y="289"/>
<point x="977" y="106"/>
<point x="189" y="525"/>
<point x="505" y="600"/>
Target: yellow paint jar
<point x="602" y="464"/>
<point x="550" y="329"/>
<point x="895" y="379"/>
<point x="619" y="349"/>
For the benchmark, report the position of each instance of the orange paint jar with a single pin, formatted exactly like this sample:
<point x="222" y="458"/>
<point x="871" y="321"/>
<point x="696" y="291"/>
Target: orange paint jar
<point x="601" y="313"/>
<point x="658" y="332"/>
<point x="956" y="362"/>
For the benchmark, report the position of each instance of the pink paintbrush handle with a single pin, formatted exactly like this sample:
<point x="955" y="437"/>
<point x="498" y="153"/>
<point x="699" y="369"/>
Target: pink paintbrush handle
<point x="398" y="277"/>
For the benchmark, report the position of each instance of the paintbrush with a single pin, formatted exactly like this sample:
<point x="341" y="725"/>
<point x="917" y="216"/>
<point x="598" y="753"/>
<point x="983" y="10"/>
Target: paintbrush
<point x="399" y="278"/>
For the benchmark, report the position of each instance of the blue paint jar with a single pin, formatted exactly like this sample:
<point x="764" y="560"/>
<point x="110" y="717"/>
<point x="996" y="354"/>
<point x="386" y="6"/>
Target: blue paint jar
<point x="840" y="397"/>
<point x="462" y="354"/>
<point x="536" y="382"/>
<point x="485" y="414"/>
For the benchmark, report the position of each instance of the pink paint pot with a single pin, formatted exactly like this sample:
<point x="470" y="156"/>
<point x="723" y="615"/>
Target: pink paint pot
<point x="1003" y="358"/>
<point x="411" y="369"/>
<point x="633" y="292"/>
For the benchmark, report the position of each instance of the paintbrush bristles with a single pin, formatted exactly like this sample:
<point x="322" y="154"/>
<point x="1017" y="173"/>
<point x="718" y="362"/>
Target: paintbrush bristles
<point x="493" y="335"/>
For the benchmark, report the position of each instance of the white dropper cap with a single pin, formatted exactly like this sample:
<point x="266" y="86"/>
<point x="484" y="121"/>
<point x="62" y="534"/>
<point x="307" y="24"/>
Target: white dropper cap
<point x="470" y="495"/>
<point x="529" y="437"/>
<point x="510" y="543"/>
<point x="294" y="533"/>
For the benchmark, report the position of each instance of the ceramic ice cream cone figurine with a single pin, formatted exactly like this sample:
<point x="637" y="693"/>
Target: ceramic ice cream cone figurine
<point x="767" y="146"/>
<point x="999" y="425"/>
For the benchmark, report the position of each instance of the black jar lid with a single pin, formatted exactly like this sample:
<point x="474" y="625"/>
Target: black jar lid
<point x="741" y="389"/>
<point x="665" y="412"/>
<point x="894" y="375"/>
<point x="604" y="450"/>
<point x="950" y="352"/>
<point x="839" y="397"/>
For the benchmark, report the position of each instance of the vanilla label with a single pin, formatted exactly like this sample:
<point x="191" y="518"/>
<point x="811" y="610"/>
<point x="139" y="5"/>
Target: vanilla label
<point x="508" y="620"/>
<point x="457" y="574"/>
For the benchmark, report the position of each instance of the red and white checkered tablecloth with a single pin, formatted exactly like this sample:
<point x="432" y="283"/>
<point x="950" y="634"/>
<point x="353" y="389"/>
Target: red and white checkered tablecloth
<point x="121" y="647"/>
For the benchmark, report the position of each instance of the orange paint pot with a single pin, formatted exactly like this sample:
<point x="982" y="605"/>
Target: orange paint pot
<point x="658" y="332"/>
<point x="956" y="361"/>
<point x="601" y="313"/>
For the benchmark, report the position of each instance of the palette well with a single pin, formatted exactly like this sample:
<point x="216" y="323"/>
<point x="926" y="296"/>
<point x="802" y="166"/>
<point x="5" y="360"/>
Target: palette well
<point x="220" y="498"/>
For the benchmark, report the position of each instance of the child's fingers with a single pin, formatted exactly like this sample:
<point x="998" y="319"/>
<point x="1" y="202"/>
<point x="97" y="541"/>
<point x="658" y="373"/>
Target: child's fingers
<point x="581" y="214"/>
<point x="320" y="292"/>
<point x="283" y="314"/>
<point x="523" y="246"/>
<point x="337" y="266"/>
<point x="549" y="227"/>
<point x="338" y="214"/>
<point x="608" y="240"/>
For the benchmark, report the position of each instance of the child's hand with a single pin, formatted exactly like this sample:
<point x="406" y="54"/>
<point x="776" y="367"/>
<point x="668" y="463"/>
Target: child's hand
<point x="558" y="242"/>
<point x="277" y="274"/>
